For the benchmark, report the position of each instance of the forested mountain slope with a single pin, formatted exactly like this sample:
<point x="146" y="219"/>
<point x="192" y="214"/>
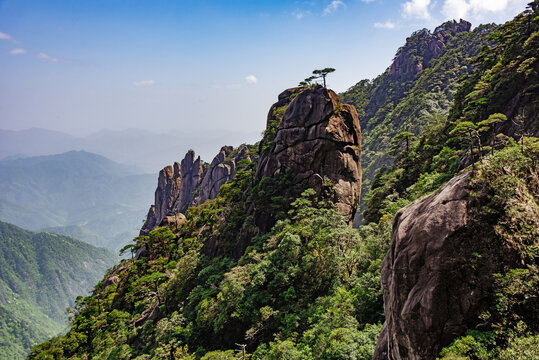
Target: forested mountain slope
<point x="42" y="274"/>
<point x="272" y="263"/>
<point x="462" y="269"/>
<point x="419" y="85"/>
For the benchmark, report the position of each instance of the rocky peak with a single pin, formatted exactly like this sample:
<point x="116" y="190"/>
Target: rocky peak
<point x="192" y="172"/>
<point x="317" y="139"/>
<point x="452" y="27"/>
<point x="423" y="46"/>
<point x="190" y="184"/>
<point x="222" y="168"/>
<point x="168" y="189"/>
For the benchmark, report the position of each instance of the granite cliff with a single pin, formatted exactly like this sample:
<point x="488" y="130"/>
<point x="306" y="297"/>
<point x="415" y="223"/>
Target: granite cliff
<point x="316" y="139"/>
<point x="310" y="138"/>
<point x="190" y="184"/>
<point x="423" y="46"/>
<point x="449" y="250"/>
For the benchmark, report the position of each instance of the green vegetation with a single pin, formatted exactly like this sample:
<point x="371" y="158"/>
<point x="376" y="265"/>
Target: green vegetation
<point x="309" y="287"/>
<point x="290" y="279"/>
<point x="472" y="129"/>
<point x="397" y="102"/>
<point x="42" y="273"/>
<point x="509" y="326"/>
<point x="470" y="138"/>
<point x="320" y="73"/>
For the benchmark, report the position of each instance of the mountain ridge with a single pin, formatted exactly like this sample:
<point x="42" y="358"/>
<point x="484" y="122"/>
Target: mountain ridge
<point x="42" y="273"/>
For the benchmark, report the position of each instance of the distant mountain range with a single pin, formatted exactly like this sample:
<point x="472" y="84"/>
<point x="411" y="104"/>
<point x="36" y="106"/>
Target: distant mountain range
<point x="146" y="150"/>
<point x="78" y="194"/>
<point x="42" y="274"/>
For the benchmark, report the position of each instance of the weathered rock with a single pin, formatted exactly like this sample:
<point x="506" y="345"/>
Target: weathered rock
<point x="222" y="169"/>
<point x="174" y="221"/>
<point x="169" y="185"/>
<point x="408" y="63"/>
<point x="318" y="138"/>
<point x="437" y="275"/>
<point x="192" y="172"/>
<point x="190" y="184"/>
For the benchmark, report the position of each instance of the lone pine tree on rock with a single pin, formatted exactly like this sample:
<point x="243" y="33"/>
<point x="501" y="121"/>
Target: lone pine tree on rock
<point x="323" y="73"/>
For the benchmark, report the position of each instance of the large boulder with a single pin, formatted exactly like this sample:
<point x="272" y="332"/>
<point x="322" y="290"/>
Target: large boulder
<point x="438" y="274"/>
<point x="317" y="139"/>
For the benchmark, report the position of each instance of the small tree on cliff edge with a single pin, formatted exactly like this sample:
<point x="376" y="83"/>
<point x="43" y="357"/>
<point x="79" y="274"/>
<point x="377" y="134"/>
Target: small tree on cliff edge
<point x="323" y="73"/>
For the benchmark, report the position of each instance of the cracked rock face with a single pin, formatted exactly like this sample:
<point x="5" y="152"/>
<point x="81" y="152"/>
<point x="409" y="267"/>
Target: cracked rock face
<point x="438" y="273"/>
<point x="192" y="172"/>
<point x="317" y="138"/>
<point x="414" y="274"/>
<point x="190" y="184"/>
<point x="168" y="189"/>
<point x="222" y="168"/>
<point x="408" y="64"/>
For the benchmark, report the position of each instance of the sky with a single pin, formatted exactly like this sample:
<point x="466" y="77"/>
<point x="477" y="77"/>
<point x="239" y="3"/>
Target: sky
<point x="82" y="66"/>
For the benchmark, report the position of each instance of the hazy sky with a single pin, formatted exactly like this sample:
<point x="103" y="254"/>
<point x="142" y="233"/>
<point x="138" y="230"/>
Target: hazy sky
<point x="80" y="66"/>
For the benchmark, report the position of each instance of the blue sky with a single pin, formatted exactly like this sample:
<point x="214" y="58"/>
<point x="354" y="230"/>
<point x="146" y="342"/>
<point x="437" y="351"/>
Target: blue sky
<point x="81" y="66"/>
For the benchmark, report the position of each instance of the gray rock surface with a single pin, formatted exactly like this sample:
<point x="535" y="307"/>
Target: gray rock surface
<point x="438" y="274"/>
<point x="318" y="138"/>
<point x="190" y="184"/>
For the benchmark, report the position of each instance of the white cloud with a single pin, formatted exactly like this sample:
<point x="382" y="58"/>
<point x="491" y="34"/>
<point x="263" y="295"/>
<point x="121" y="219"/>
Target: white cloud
<point x="4" y="36"/>
<point x="457" y="9"/>
<point x="333" y="6"/>
<point x="300" y="14"/>
<point x="488" y="5"/>
<point x="17" y="51"/>
<point x="385" y="25"/>
<point x="142" y="83"/>
<point x="46" y="57"/>
<point x="367" y="1"/>
<point x="251" y="79"/>
<point x="7" y="37"/>
<point x="416" y="9"/>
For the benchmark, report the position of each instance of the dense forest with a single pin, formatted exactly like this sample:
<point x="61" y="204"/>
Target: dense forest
<point x="272" y="266"/>
<point x="42" y="273"/>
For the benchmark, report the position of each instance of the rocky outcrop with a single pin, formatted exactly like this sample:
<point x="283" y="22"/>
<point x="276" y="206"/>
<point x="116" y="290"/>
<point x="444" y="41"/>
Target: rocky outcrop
<point x="318" y="139"/>
<point x="222" y="168"/>
<point x="438" y="273"/>
<point x="192" y="171"/>
<point x="168" y="189"/>
<point x="190" y="184"/>
<point x="423" y="46"/>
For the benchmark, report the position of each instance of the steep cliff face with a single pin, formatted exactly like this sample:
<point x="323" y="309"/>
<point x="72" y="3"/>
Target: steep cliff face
<point x="318" y="139"/>
<point x="418" y="86"/>
<point x="190" y="184"/>
<point x="439" y="274"/>
<point x="192" y="171"/>
<point x="423" y="46"/>
<point x="168" y="189"/>
<point x="222" y="168"/>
